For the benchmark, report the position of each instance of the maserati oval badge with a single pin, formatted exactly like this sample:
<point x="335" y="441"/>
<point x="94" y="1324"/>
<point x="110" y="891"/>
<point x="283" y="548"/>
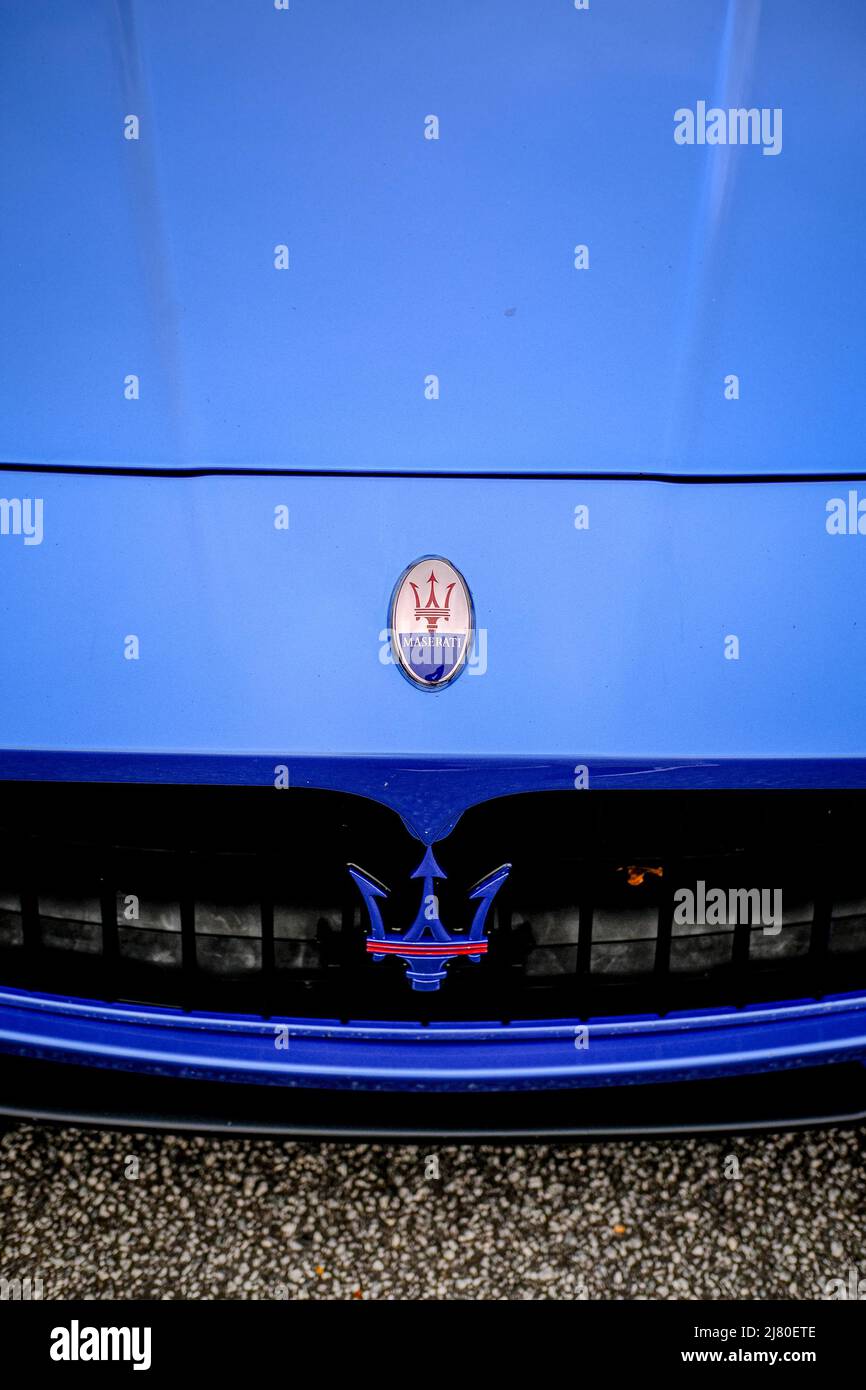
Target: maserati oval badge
<point x="431" y="622"/>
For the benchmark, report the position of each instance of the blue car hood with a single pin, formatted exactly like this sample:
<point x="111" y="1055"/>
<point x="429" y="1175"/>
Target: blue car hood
<point x="431" y="316"/>
<point x="281" y="274"/>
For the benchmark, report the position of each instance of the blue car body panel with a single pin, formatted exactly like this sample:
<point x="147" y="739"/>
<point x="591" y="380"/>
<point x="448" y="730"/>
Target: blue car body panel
<point x="454" y="257"/>
<point x="617" y="517"/>
<point x="598" y="644"/>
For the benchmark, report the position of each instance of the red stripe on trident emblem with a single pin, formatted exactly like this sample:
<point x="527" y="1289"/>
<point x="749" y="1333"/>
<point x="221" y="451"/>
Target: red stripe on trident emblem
<point x="427" y="946"/>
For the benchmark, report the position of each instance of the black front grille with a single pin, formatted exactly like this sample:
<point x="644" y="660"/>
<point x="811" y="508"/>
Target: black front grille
<point x="239" y="900"/>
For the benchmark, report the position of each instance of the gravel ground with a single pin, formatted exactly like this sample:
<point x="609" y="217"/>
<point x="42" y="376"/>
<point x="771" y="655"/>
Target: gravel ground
<point x="102" y="1215"/>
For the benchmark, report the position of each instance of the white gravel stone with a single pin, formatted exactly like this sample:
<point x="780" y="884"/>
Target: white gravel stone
<point x="213" y="1219"/>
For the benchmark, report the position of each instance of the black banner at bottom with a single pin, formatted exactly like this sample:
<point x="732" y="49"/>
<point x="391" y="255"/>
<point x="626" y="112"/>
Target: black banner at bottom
<point x="265" y="1339"/>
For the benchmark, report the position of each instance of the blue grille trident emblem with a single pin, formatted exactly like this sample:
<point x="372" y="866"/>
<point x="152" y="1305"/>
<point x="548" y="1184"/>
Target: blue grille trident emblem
<point x="427" y="946"/>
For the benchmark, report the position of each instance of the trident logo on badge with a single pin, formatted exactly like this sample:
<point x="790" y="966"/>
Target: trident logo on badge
<point x="428" y="946"/>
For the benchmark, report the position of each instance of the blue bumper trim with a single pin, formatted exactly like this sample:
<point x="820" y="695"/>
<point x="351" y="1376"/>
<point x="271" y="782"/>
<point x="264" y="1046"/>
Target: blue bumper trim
<point x="482" y="1056"/>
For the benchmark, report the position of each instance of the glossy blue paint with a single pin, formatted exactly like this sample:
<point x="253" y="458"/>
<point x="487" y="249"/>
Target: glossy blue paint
<point x="411" y="257"/>
<point x="437" y="1056"/>
<point x="432" y="794"/>
<point x="601" y="647"/>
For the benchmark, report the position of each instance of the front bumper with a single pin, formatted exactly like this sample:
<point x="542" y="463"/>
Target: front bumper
<point x="793" y="1064"/>
<point x="823" y="1096"/>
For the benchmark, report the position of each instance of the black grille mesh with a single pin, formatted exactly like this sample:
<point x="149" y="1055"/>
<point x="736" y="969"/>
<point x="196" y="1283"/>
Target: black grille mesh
<point x="239" y="900"/>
